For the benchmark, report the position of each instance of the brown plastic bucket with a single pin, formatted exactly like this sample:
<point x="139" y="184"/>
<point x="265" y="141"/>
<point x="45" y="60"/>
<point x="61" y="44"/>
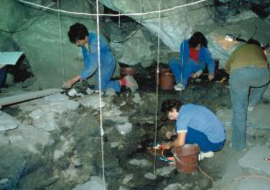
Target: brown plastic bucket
<point x="128" y="71"/>
<point x="166" y="81"/>
<point x="161" y="70"/>
<point x="186" y="158"/>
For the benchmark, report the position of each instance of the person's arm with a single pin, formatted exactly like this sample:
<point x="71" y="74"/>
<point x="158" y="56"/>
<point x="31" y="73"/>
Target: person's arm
<point x="179" y="142"/>
<point x="210" y="63"/>
<point x="170" y="133"/>
<point x="90" y="67"/>
<point x="184" y="52"/>
<point x="90" y="59"/>
<point x="69" y="83"/>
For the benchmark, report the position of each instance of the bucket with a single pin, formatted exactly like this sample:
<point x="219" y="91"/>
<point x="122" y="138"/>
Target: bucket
<point x="127" y="71"/>
<point x="166" y="81"/>
<point x="186" y="158"/>
<point x="161" y="70"/>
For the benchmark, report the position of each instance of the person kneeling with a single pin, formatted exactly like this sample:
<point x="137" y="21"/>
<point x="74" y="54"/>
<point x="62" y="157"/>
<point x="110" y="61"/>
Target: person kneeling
<point x="195" y="124"/>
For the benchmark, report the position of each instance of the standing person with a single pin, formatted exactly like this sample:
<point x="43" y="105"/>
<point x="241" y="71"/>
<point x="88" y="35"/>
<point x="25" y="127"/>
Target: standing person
<point x="79" y="35"/>
<point x="195" y="124"/>
<point x="249" y="78"/>
<point x="194" y="56"/>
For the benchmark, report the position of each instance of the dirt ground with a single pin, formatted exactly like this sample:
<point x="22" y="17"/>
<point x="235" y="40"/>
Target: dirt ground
<point x="222" y="172"/>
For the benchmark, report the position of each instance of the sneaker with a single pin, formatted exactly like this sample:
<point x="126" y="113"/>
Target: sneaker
<point x="203" y="155"/>
<point x="198" y="73"/>
<point x="250" y="108"/>
<point x="131" y="83"/>
<point x="179" y="87"/>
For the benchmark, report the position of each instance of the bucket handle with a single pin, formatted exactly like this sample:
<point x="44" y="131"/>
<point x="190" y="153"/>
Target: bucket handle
<point x="175" y="155"/>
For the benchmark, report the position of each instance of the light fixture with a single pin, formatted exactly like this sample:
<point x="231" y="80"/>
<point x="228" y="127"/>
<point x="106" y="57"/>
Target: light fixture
<point x="229" y="38"/>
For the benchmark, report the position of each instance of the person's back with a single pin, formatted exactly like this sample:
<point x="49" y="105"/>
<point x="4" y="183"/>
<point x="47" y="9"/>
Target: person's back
<point x="202" y="119"/>
<point x="247" y="55"/>
<point x="91" y="55"/>
<point x="104" y="48"/>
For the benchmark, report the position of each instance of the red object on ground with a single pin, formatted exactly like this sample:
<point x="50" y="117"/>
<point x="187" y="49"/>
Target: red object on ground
<point x="123" y="82"/>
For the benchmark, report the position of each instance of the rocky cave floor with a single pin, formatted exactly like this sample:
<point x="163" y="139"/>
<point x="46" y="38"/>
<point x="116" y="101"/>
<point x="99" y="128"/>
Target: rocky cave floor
<point x="73" y="154"/>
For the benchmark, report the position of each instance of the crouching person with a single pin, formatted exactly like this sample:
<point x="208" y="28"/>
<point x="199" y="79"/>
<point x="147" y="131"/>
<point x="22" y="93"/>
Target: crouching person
<point x="195" y="124"/>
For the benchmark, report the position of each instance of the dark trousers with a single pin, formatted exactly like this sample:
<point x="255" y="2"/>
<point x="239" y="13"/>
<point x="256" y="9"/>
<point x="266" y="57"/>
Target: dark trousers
<point x="196" y="137"/>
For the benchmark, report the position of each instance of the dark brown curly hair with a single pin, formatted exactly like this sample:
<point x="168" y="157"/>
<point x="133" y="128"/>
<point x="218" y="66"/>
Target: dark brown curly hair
<point x="77" y="32"/>
<point x="196" y="39"/>
<point x="168" y="105"/>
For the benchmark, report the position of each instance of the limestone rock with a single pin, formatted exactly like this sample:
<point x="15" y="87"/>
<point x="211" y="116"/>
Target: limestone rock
<point x="12" y="164"/>
<point x="127" y="179"/>
<point x="254" y="160"/>
<point x="124" y="128"/>
<point x="3" y="139"/>
<point x="42" y="45"/>
<point x="175" y="186"/>
<point x="29" y="138"/>
<point x="134" y="51"/>
<point x="92" y="101"/>
<point x="140" y="163"/>
<point x="150" y="176"/>
<point x="175" y="24"/>
<point x="95" y="183"/>
<point x="165" y="170"/>
<point x="14" y="11"/>
<point x="7" y="122"/>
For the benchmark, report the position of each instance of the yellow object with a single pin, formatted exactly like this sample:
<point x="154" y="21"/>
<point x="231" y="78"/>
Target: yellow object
<point x="87" y="46"/>
<point x="222" y="80"/>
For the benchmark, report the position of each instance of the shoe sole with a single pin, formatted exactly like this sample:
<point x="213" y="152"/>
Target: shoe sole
<point x="133" y="85"/>
<point x="178" y="89"/>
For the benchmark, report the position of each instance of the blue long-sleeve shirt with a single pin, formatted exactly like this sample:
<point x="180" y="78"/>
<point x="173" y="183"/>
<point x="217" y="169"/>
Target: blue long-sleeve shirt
<point x="91" y="57"/>
<point x="204" y="56"/>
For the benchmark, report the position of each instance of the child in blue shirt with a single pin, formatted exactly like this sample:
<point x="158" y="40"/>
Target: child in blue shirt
<point x="195" y="124"/>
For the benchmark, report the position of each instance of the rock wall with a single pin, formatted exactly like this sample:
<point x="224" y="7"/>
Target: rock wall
<point x="12" y="16"/>
<point x="40" y="38"/>
<point x="42" y="44"/>
<point x="175" y="25"/>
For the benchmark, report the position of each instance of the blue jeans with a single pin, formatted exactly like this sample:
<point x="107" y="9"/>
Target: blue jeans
<point x="107" y="70"/>
<point x="2" y="75"/>
<point x="247" y="86"/>
<point x="183" y="72"/>
<point x="196" y="137"/>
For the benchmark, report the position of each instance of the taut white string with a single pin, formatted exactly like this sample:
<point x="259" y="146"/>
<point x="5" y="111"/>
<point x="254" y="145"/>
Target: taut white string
<point x="100" y="99"/>
<point x="157" y="89"/>
<point x="114" y="15"/>
<point x="61" y="42"/>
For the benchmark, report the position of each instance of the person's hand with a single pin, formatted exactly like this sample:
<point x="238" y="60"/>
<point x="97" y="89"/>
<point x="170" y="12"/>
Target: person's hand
<point x="211" y="77"/>
<point x="166" y="145"/>
<point x="197" y="74"/>
<point x="168" y="134"/>
<point x="67" y="84"/>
